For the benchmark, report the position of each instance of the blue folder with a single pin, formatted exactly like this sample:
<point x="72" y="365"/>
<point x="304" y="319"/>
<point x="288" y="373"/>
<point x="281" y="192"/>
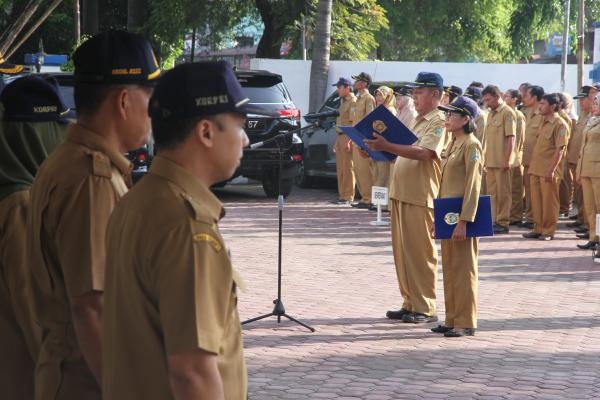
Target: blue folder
<point x="382" y="121"/>
<point x="446" y="212"/>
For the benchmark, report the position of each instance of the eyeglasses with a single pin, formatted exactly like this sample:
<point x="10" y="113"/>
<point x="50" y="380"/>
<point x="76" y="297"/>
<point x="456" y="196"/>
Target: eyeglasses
<point x="449" y="114"/>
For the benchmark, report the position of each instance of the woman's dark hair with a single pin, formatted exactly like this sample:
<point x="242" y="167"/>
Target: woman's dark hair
<point x="470" y="126"/>
<point x="515" y="94"/>
<point x="553" y="99"/>
<point x="536" y="91"/>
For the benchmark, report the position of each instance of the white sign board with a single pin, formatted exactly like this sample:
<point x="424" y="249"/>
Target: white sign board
<point x="379" y="195"/>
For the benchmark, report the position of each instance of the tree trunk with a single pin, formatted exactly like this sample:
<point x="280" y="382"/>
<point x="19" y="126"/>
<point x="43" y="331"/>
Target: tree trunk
<point x="91" y="21"/>
<point x="580" y="42"/>
<point x="15" y="29"/>
<point x="319" y="69"/>
<point x="276" y="15"/>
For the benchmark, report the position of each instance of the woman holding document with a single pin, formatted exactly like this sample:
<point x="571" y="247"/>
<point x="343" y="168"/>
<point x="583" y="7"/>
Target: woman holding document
<point x="462" y="167"/>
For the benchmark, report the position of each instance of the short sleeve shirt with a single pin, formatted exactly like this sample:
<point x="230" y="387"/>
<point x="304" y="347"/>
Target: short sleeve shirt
<point x="462" y="167"/>
<point x="533" y="121"/>
<point x="519" y="138"/>
<point x="418" y="181"/>
<point x="170" y="287"/>
<point x="365" y="103"/>
<point x="589" y="162"/>
<point x="552" y="135"/>
<point x="574" y="148"/>
<point x="500" y="124"/>
<point x="345" y="109"/>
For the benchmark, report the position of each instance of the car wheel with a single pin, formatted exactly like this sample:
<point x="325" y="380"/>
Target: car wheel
<point x="303" y="180"/>
<point x="270" y="184"/>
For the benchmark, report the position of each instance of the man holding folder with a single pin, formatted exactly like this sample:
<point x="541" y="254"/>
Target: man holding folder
<point x="415" y="183"/>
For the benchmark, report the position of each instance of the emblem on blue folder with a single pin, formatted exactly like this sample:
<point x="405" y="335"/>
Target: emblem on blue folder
<point x="451" y="218"/>
<point x="379" y="126"/>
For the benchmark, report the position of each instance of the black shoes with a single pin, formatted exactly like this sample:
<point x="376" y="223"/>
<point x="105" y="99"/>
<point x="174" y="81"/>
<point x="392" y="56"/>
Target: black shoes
<point x="341" y="202"/>
<point x="515" y="223"/>
<point x="581" y="229"/>
<point x="575" y="224"/>
<point x="531" y="235"/>
<point x="460" y="332"/>
<point x="499" y="229"/>
<point x="360" y="204"/>
<point x="441" y="329"/>
<point x="526" y="225"/>
<point x="588" y="246"/>
<point x="585" y="235"/>
<point x="397" y="314"/>
<point x="418" y="318"/>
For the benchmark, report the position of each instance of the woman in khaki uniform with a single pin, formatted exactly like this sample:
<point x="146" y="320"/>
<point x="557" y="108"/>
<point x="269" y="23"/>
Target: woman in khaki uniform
<point x="27" y="137"/>
<point x="588" y="172"/>
<point x="462" y="168"/>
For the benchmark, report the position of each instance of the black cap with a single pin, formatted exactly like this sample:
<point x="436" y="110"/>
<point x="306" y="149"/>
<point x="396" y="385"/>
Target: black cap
<point x="453" y="90"/>
<point x="116" y="57"/>
<point x="363" y="76"/>
<point x="402" y="91"/>
<point x="343" y="82"/>
<point x="200" y="89"/>
<point x="474" y="92"/>
<point x="33" y="98"/>
<point x="462" y="105"/>
<point x="429" y="79"/>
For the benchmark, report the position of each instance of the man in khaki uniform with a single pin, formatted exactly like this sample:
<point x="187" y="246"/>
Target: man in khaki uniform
<point x="533" y="121"/>
<point x="31" y="128"/>
<point x="172" y="328"/>
<point x="512" y="97"/>
<point x="365" y="103"/>
<point x="344" y="166"/>
<point x="544" y="170"/>
<point x="574" y="149"/>
<point x="72" y="198"/>
<point x="415" y="183"/>
<point x="499" y="155"/>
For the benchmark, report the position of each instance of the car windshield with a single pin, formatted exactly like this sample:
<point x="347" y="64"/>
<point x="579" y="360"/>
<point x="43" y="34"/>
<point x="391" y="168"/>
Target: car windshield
<point x="275" y="94"/>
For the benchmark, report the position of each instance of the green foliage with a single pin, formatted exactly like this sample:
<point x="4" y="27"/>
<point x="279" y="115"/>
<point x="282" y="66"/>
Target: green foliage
<point x="68" y="66"/>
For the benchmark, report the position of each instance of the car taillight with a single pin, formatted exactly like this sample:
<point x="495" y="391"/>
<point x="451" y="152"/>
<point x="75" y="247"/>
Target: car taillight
<point x="293" y="113"/>
<point x="141" y="157"/>
<point x="297" y="157"/>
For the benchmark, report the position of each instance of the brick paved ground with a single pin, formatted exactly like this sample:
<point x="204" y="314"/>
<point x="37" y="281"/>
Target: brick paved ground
<point x="539" y="311"/>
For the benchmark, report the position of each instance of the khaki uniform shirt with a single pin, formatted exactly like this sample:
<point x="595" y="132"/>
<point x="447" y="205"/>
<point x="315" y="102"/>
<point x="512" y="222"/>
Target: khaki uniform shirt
<point x="462" y="168"/>
<point x="365" y="103"/>
<point x="501" y="123"/>
<point x="551" y="135"/>
<point x="532" y="127"/>
<point x="480" y="124"/>
<point x="519" y="139"/>
<point x="71" y="200"/>
<point x="589" y="161"/>
<point x="418" y="181"/>
<point x="170" y="287"/>
<point x="21" y="336"/>
<point x="576" y="141"/>
<point x="346" y="112"/>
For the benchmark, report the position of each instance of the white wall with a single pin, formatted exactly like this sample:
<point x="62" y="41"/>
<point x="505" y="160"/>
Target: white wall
<point x="296" y="74"/>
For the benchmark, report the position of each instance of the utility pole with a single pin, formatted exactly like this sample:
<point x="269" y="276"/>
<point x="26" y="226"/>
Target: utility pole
<point x="580" y="43"/>
<point x="565" y="45"/>
<point x="77" y="21"/>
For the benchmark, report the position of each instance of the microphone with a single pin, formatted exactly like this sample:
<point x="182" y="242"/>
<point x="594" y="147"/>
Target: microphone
<point x="274" y="138"/>
<point x="322" y="114"/>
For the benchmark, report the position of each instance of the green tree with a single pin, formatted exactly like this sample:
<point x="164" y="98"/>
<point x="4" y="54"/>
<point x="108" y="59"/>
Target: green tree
<point x="319" y="68"/>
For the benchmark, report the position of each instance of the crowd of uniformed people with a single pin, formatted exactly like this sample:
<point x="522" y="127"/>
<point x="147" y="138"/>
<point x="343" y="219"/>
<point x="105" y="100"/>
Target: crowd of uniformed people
<point x="94" y="301"/>
<point x="525" y="148"/>
<point x="107" y="292"/>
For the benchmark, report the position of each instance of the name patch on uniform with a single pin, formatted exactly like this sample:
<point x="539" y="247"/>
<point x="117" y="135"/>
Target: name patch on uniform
<point x="562" y="131"/>
<point x="205" y="237"/>
<point x="438" y="131"/>
<point x="451" y="218"/>
<point x="474" y="155"/>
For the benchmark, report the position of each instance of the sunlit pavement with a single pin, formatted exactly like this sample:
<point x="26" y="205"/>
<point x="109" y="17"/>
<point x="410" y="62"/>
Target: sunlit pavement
<point x="539" y="311"/>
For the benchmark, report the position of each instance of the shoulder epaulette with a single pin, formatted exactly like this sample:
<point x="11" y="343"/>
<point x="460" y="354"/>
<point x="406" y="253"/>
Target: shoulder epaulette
<point x="100" y="164"/>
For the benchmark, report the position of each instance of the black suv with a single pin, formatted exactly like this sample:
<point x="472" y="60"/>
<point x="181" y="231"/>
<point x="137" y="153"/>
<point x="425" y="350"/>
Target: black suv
<point x="318" y="158"/>
<point x="267" y="90"/>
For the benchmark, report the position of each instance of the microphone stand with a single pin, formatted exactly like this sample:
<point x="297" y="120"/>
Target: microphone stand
<point x="279" y="309"/>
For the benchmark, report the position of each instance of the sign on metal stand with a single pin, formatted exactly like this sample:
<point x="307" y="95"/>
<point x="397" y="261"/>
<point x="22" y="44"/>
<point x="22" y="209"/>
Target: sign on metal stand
<point x="379" y="197"/>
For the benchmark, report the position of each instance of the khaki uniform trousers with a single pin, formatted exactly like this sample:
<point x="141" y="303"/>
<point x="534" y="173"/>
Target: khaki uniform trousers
<point x="544" y="204"/>
<point x="518" y="192"/>
<point x="591" y="202"/>
<point x="527" y="187"/>
<point x="577" y="195"/>
<point x="344" y="168"/>
<point x="565" y="191"/>
<point x="415" y="256"/>
<point x="499" y="188"/>
<point x="484" y="186"/>
<point x="364" y="176"/>
<point x="381" y="174"/>
<point x="459" y="266"/>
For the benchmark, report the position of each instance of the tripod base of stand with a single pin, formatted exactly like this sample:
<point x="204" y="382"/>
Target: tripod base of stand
<point x="279" y="311"/>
